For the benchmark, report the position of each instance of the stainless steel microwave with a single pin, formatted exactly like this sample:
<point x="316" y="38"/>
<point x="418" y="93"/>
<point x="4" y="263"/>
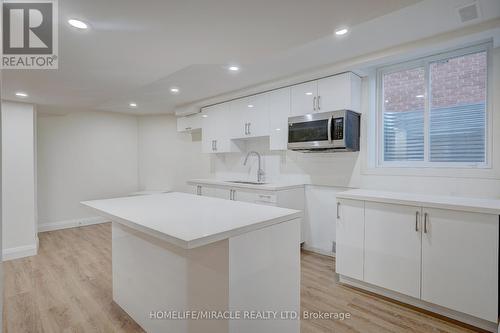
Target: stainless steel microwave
<point x="336" y="130"/>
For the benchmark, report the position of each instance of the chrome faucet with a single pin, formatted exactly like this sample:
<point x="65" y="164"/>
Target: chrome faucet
<point x="260" y="173"/>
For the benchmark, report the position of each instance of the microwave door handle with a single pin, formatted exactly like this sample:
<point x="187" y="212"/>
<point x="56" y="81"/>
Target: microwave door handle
<point x="330" y="129"/>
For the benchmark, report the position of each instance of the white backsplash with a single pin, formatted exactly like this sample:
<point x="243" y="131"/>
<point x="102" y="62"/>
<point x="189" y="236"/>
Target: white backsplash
<point x="334" y="169"/>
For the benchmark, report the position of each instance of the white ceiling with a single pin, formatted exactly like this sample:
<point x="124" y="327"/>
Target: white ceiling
<point x="136" y="50"/>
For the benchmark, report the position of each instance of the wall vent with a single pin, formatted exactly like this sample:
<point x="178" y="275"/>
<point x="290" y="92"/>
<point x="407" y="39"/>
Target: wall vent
<point x="469" y="12"/>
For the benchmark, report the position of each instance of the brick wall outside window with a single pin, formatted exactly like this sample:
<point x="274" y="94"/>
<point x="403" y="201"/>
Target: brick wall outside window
<point x="454" y="82"/>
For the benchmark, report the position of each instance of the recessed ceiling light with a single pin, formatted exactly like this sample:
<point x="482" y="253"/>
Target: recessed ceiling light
<point x="21" y="94"/>
<point x="233" y="68"/>
<point x="132" y="104"/>
<point x="278" y="129"/>
<point x="419" y="96"/>
<point x="78" y="24"/>
<point x="341" y="31"/>
<point x="204" y="115"/>
<point x="309" y="93"/>
<point x="250" y="105"/>
<point x="174" y="90"/>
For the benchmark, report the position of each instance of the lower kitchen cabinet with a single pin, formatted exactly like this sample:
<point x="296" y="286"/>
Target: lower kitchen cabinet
<point x="445" y="259"/>
<point x="350" y="238"/>
<point x="460" y="261"/>
<point x="213" y="192"/>
<point x="287" y="198"/>
<point x="392" y="247"/>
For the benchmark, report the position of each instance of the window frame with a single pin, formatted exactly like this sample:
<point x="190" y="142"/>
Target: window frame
<point x="425" y="63"/>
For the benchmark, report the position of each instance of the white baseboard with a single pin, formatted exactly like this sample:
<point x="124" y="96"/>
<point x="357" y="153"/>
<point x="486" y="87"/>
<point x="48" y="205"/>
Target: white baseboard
<point x="71" y="223"/>
<point x="318" y="251"/>
<point x="19" y="252"/>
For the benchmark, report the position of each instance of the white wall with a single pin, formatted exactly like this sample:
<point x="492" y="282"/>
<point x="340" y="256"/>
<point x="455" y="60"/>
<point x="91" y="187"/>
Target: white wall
<point x="83" y="155"/>
<point x="18" y="180"/>
<point x="167" y="159"/>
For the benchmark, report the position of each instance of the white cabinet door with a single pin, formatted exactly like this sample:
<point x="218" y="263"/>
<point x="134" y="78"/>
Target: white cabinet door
<point x="217" y="124"/>
<point x="189" y="123"/>
<point x="208" y="191"/>
<point x="350" y="236"/>
<point x="460" y="262"/>
<point x="238" y="118"/>
<point x="303" y="98"/>
<point x="250" y="117"/>
<point x="244" y="196"/>
<point x="393" y="247"/>
<point x="222" y="193"/>
<point x="224" y="125"/>
<point x="209" y="129"/>
<point x="278" y="103"/>
<point x="339" y="92"/>
<point x="257" y="116"/>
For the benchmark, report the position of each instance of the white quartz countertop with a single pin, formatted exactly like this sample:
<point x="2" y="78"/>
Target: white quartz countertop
<point x="280" y="186"/>
<point x="188" y="220"/>
<point x="477" y="205"/>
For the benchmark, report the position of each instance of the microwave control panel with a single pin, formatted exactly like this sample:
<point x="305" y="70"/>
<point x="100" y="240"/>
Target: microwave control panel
<point x="338" y="129"/>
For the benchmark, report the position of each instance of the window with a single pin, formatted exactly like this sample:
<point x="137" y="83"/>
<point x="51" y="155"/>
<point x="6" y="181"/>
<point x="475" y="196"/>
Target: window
<point x="433" y="111"/>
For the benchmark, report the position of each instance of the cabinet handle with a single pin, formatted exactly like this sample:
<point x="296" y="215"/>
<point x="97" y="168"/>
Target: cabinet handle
<point x="249" y="132"/>
<point x="188" y="128"/>
<point x="319" y="102"/>
<point x="338" y="210"/>
<point x="198" y="190"/>
<point x="314" y="103"/>
<point x="425" y="222"/>
<point x="417" y="215"/>
<point x="246" y="128"/>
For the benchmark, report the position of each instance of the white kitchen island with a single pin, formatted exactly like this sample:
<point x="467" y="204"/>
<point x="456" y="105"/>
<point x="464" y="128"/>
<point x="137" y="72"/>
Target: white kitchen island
<point x="235" y="265"/>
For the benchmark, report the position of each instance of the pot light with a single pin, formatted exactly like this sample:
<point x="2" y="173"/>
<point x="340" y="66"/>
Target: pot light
<point x="21" y="94"/>
<point x="132" y="104"/>
<point x="250" y="105"/>
<point x="233" y="68"/>
<point x="419" y="96"/>
<point x="309" y="93"/>
<point x="205" y="116"/>
<point x="341" y="31"/>
<point x="174" y="90"/>
<point x="78" y="24"/>
<point x="278" y="129"/>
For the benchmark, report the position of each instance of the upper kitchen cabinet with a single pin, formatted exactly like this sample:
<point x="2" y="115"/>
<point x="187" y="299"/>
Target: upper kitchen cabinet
<point x="303" y="98"/>
<point x="337" y="92"/>
<point x="216" y="135"/>
<point x="278" y="103"/>
<point x="251" y="117"/>
<point x="189" y="123"/>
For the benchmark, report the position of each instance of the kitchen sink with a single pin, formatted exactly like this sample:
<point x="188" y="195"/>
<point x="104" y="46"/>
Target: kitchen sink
<point x="245" y="182"/>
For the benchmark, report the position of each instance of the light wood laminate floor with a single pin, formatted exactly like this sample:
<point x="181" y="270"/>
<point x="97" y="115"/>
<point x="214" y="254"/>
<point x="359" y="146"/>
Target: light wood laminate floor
<point x="67" y="288"/>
